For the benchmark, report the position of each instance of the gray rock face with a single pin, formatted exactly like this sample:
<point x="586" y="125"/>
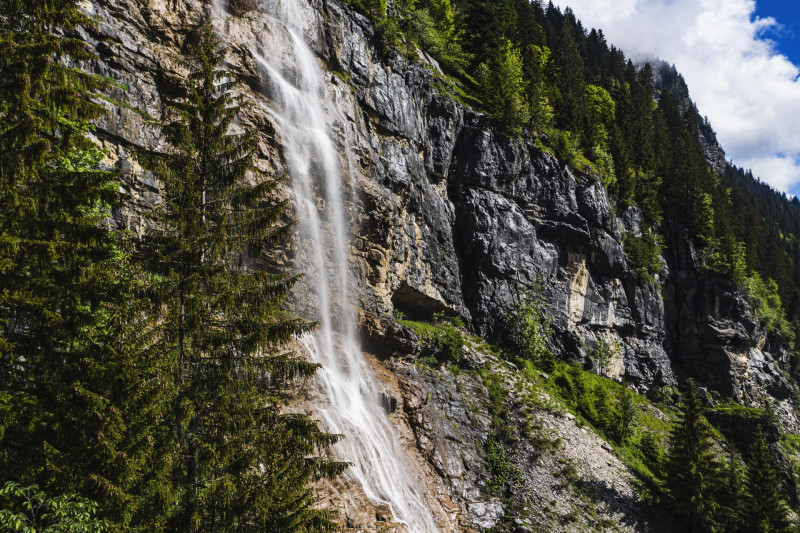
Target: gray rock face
<point x="446" y="212"/>
<point x="713" y="334"/>
<point x="449" y="215"/>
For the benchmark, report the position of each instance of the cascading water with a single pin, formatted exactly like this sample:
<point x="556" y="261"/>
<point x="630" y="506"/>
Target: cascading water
<point x="295" y="84"/>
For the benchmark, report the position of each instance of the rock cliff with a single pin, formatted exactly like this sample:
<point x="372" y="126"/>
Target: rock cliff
<point x="448" y="214"/>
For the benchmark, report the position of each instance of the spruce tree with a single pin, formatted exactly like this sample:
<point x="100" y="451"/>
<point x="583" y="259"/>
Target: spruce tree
<point x="71" y="380"/>
<point x="504" y="88"/>
<point x="570" y="81"/>
<point x="730" y="496"/>
<point x="692" y="470"/>
<point x="764" y="509"/>
<point x="239" y="463"/>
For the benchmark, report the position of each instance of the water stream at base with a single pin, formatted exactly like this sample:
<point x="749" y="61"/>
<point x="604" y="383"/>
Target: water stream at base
<point x="295" y="84"/>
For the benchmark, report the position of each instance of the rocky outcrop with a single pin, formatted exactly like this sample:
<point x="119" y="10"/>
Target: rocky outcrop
<point x="449" y="215"/>
<point x="713" y="334"/>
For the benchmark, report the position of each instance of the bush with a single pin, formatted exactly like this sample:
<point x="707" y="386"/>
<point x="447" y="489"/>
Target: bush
<point x="503" y="472"/>
<point x="444" y="338"/>
<point x="527" y="329"/>
<point x="767" y="303"/>
<point x="30" y="509"/>
<point x="644" y="253"/>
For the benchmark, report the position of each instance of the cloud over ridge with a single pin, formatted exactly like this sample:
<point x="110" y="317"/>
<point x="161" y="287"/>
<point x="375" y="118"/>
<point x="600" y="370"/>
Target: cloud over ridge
<point x="736" y="76"/>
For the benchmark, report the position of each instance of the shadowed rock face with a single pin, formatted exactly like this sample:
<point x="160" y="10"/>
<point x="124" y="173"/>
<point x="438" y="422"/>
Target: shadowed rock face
<point x="447" y="215"/>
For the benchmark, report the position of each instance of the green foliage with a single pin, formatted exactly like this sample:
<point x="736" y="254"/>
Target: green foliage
<point x="601" y="354"/>
<point x="628" y="416"/>
<point x="567" y="147"/>
<point x="653" y="451"/>
<point x="538" y="67"/>
<point x="30" y="510"/>
<point x="609" y="409"/>
<point x="80" y="395"/>
<point x="527" y="329"/>
<point x="503" y="472"/>
<point x="503" y="88"/>
<point x="237" y="462"/>
<point x="570" y="80"/>
<point x="764" y="507"/>
<point x="730" y="496"/>
<point x="447" y="340"/>
<point x="433" y="26"/>
<point x="644" y="251"/>
<point x="497" y="395"/>
<point x="692" y="470"/>
<point x="766" y="302"/>
<point x="600" y="116"/>
<point x="727" y="256"/>
<point x="444" y="337"/>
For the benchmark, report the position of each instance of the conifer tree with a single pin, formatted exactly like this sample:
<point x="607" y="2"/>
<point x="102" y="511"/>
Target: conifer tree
<point x="538" y="71"/>
<point x="764" y="508"/>
<point x="730" y="496"/>
<point x="504" y="87"/>
<point x="692" y="470"/>
<point x="570" y="80"/>
<point x="70" y="316"/>
<point x="240" y="464"/>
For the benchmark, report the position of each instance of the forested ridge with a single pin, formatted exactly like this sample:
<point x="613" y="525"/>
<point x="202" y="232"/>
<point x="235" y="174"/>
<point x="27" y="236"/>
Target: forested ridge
<point x="538" y="71"/>
<point x="144" y="379"/>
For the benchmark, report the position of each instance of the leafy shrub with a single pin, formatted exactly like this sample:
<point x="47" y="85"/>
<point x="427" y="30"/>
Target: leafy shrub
<point x="503" y="472"/>
<point x="644" y="252"/>
<point x="767" y="305"/>
<point x="31" y="510"/>
<point x="527" y="329"/>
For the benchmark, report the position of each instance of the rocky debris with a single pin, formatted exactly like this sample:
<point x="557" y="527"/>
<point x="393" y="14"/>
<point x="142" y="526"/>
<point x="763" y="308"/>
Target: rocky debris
<point x="448" y="412"/>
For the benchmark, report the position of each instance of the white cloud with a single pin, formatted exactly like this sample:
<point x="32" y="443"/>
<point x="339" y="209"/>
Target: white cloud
<point x="748" y="90"/>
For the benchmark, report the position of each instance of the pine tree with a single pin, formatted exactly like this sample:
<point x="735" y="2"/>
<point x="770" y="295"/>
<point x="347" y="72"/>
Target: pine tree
<point x="240" y="464"/>
<point x="764" y="508"/>
<point x="730" y="496"/>
<point x="70" y="372"/>
<point x="570" y="81"/>
<point x="504" y="88"/>
<point x="692" y="471"/>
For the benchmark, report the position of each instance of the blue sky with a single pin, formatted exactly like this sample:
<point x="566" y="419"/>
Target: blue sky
<point x="741" y="60"/>
<point x="787" y="14"/>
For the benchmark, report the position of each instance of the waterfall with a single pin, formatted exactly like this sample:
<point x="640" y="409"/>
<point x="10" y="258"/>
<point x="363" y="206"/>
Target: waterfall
<point x="295" y="84"/>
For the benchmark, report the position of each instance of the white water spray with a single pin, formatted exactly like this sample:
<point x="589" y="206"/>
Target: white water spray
<point x="295" y="84"/>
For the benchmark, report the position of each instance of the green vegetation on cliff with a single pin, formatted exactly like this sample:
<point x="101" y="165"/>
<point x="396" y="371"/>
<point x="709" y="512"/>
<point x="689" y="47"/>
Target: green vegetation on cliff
<point x="537" y="71"/>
